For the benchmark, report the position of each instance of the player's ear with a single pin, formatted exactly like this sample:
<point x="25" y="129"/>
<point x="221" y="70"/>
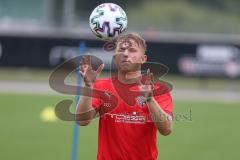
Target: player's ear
<point x="144" y="58"/>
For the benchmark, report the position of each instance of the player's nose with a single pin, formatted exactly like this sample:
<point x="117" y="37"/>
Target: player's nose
<point x="125" y="53"/>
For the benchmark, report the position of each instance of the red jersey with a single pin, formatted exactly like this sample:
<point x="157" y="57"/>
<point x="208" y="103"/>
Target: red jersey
<point x="126" y="132"/>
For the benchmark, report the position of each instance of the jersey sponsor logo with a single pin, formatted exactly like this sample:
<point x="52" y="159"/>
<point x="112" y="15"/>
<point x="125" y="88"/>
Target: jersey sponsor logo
<point x="128" y="118"/>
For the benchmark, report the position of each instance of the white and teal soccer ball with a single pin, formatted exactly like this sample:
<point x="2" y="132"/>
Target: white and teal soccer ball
<point x="107" y="21"/>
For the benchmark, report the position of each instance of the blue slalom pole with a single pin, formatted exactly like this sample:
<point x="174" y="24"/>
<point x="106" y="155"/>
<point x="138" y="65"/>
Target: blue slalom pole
<point x="74" y="153"/>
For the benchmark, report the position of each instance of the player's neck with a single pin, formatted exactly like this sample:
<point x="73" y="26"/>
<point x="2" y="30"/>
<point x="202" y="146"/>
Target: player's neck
<point x="129" y="77"/>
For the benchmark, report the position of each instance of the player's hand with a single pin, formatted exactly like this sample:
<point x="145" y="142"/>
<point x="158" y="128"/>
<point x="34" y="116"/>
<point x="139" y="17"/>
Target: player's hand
<point x="147" y="88"/>
<point x="87" y="73"/>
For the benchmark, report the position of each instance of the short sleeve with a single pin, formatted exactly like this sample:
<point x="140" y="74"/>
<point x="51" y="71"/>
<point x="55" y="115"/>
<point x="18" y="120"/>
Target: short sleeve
<point x="96" y="102"/>
<point x="165" y="102"/>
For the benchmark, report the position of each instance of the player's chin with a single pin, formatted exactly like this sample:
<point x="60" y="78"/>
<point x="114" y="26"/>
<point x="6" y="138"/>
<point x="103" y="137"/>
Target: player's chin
<point x="130" y="67"/>
<point x="127" y="68"/>
<point x="124" y="69"/>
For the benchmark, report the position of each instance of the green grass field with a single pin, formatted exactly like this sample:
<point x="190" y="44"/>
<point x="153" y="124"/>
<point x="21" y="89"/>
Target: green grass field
<point x="213" y="133"/>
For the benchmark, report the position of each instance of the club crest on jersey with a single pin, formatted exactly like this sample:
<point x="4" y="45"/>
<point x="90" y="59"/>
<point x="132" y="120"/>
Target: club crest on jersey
<point x="140" y="101"/>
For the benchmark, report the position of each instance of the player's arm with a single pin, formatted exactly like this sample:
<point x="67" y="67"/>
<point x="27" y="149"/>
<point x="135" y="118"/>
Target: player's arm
<point x="162" y="120"/>
<point x="85" y="112"/>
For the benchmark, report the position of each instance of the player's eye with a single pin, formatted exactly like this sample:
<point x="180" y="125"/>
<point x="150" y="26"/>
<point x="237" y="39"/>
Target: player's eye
<point x="121" y="50"/>
<point x="132" y="50"/>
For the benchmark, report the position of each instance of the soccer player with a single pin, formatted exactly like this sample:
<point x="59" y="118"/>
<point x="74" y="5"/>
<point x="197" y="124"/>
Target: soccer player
<point x="129" y="130"/>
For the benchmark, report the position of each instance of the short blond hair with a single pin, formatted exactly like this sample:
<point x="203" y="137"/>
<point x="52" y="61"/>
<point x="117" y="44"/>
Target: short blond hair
<point x="135" y="37"/>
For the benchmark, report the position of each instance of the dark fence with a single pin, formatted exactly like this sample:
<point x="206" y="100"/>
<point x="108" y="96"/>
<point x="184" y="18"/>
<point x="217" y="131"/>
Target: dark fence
<point x="36" y="52"/>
